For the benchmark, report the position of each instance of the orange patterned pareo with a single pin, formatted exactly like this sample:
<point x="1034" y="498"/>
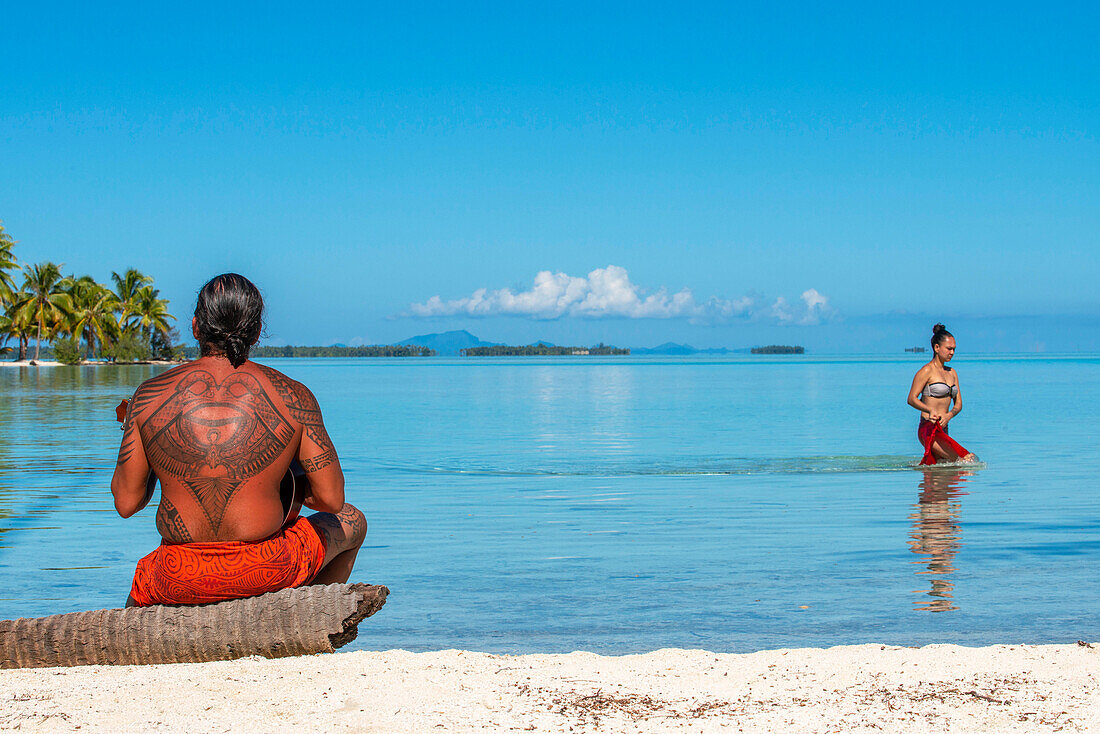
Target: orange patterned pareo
<point x="200" y="573"/>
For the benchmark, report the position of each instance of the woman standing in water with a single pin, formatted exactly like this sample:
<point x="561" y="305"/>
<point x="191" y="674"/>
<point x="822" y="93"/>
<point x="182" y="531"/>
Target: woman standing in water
<point x="935" y="387"/>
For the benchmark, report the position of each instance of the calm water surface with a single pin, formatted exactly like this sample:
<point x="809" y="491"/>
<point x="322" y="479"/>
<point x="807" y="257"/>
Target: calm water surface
<point x="627" y="504"/>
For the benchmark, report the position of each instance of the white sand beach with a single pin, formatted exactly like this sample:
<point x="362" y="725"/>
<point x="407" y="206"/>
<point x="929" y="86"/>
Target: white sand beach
<point x="27" y="363"/>
<point x="863" y="688"/>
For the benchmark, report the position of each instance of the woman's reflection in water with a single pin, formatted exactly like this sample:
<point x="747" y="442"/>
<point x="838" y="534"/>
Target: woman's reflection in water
<point x="936" y="533"/>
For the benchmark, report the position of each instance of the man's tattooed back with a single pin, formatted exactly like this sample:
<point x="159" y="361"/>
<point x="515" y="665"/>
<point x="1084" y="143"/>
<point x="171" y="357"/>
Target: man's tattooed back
<point x="219" y="439"/>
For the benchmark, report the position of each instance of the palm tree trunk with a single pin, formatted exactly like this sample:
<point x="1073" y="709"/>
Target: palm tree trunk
<point x="301" y="621"/>
<point x="38" y="341"/>
<point x="22" y="348"/>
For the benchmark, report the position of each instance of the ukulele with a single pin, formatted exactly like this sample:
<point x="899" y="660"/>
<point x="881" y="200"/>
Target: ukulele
<point x="292" y="488"/>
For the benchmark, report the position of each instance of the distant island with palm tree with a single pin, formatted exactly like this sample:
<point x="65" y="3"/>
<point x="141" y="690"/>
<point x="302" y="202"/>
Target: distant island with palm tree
<point x="81" y="319"/>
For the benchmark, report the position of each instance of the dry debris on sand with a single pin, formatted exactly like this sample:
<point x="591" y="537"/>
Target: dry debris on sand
<point x="864" y="688"/>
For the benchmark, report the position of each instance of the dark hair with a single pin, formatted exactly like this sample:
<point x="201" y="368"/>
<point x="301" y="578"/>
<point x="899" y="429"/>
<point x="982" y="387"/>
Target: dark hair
<point x="939" y="333"/>
<point x="229" y="317"/>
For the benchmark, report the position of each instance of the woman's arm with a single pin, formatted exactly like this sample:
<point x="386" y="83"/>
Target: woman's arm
<point x="958" y="402"/>
<point x="919" y="381"/>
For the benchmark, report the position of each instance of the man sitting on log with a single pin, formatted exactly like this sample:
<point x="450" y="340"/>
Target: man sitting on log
<point x="220" y="433"/>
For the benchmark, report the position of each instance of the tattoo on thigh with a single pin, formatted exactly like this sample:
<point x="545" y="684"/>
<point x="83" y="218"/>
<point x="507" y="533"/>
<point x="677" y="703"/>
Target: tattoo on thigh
<point x="328" y="525"/>
<point x="354" y="519"/>
<point x="337" y="528"/>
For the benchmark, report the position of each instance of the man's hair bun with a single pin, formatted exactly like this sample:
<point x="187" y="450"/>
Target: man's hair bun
<point x="229" y="316"/>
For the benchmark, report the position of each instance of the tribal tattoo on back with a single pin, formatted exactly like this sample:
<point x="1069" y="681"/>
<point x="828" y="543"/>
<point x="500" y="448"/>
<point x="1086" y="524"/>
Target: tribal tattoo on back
<point x="210" y="435"/>
<point x="303" y="408"/>
<point x="170" y="523"/>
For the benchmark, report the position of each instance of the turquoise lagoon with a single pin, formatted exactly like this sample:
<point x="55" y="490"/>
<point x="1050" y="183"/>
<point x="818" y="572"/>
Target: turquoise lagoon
<point x="628" y="504"/>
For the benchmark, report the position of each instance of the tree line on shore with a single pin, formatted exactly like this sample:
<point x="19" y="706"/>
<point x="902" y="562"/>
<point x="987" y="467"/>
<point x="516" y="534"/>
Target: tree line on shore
<point x="81" y="318"/>
<point x="542" y="350"/>
<point x="778" y="349"/>
<point x="400" y="350"/>
<point x="388" y="350"/>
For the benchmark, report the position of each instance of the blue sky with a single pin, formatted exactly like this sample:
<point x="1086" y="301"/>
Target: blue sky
<point x="938" y="162"/>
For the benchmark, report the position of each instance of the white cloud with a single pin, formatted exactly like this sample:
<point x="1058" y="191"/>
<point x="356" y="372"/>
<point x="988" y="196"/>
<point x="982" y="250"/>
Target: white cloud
<point x="817" y="307"/>
<point x="608" y="293"/>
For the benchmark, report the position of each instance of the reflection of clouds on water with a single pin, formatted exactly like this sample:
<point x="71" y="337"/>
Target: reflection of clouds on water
<point x="547" y="407"/>
<point x="936" y="533"/>
<point x="583" y="407"/>
<point x="611" y="392"/>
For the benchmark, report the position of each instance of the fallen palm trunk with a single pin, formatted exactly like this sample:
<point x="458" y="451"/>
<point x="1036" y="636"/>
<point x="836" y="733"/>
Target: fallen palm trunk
<point x="301" y="621"/>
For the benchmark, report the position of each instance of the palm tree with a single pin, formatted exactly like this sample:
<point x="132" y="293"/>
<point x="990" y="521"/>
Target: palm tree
<point x="93" y="312"/>
<point x="14" y="326"/>
<point x="127" y="286"/>
<point x="151" y="312"/>
<point x="6" y="333"/>
<point x="7" y="263"/>
<point x="43" y="300"/>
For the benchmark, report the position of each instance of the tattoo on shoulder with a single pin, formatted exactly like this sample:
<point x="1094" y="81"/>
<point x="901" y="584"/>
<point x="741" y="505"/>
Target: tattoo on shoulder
<point x="149" y="391"/>
<point x="302" y="405"/>
<point x="170" y="524"/>
<point x="319" y="462"/>
<point x="145" y="396"/>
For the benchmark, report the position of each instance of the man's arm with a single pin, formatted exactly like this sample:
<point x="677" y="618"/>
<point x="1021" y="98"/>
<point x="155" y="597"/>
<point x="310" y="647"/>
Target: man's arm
<point x="316" y="453"/>
<point x="132" y="469"/>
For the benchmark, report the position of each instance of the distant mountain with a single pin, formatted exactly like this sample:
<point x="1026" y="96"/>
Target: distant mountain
<point x="666" y="348"/>
<point x="447" y="343"/>
<point x="682" y="349"/>
<point x="542" y="343"/>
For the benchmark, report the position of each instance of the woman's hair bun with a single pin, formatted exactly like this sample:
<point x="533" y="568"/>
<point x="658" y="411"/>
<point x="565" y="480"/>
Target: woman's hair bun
<point x="939" y="333"/>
